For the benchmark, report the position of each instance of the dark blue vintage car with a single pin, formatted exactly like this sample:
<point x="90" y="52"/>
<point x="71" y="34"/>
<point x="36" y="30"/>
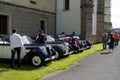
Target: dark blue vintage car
<point x="36" y="54"/>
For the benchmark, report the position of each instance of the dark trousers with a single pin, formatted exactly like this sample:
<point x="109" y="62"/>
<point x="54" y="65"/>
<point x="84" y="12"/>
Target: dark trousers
<point x="104" y="45"/>
<point x="18" y="50"/>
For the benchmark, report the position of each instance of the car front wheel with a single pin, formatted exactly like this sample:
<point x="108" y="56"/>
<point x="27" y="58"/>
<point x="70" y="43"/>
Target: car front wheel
<point x="37" y="60"/>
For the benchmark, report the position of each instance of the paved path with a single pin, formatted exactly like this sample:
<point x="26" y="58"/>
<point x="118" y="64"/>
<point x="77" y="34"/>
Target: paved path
<point x="94" y="67"/>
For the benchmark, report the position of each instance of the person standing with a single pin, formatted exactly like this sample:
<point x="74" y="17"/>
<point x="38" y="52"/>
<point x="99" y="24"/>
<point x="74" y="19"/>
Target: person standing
<point x="41" y="39"/>
<point x="104" y="40"/>
<point x="116" y="37"/>
<point x="111" y="43"/>
<point x="16" y="46"/>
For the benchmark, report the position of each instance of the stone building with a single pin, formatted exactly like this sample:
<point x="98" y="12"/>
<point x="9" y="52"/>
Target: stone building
<point x="104" y="18"/>
<point x="28" y="16"/>
<point x="88" y="18"/>
<point x="107" y="12"/>
<point x="100" y="19"/>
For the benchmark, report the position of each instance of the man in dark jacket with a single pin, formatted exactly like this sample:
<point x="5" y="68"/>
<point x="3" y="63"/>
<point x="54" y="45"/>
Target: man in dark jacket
<point x="41" y="38"/>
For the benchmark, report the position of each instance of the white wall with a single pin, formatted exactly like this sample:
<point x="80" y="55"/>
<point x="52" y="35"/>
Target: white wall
<point x="68" y="21"/>
<point x="94" y="18"/>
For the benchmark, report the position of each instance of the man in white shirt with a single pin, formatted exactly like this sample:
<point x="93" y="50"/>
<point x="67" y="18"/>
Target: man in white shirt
<point x="16" y="46"/>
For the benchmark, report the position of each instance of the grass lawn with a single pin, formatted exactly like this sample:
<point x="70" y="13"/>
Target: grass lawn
<point x="27" y="72"/>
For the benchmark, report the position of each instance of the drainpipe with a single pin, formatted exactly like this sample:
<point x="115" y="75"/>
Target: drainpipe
<point x="55" y="17"/>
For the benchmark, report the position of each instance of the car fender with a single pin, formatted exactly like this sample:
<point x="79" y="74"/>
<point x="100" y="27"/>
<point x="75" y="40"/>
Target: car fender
<point x="36" y="51"/>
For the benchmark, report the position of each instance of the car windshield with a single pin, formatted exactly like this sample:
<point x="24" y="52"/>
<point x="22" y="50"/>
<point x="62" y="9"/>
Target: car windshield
<point x="77" y="37"/>
<point x="27" y="40"/>
<point x="50" y="38"/>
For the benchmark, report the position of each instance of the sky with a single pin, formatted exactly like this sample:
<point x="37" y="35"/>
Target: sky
<point x="115" y="13"/>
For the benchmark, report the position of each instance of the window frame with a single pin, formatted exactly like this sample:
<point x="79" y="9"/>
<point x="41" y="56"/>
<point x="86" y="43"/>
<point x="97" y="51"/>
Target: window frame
<point x="32" y="1"/>
<point x="66" y="5"/>
<point x="3" y="23"/>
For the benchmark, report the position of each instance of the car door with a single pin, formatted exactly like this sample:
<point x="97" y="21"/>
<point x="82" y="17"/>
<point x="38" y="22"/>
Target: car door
<point x="1" y="47"/>
<point x="1" y="50"/>
<point x="6" y="50"/>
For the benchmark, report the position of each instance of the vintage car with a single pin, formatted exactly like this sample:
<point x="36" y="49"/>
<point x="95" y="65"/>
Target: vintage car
<point x="86" y="44"/>
<point x="74" y="42"/>
<point x="89" y="44"/>
<point x="36" y="54"/>
<point x="61" y="47"/>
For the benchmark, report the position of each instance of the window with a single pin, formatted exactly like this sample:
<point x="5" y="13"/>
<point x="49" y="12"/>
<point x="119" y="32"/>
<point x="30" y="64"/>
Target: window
<point x="32" y="1"/>
<point x="3" y="24"/>
<point x="66" y="5"/>
<point x="42" y="25"/>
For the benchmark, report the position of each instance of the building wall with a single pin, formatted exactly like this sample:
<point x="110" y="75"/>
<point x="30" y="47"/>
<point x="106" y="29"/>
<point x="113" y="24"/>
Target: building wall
<point x="94" y="18"/>
<point x="88" y="20"/>
<point x="81" y="18"/>
<point x="93" y="26"/>
<point x="85" y="17"/>
<point x="104" y="18"/>
<point x="45" y="5"/>
<point x="107" y="12"/>
<point x="27" y="20"/>
<point x="100" y="20"/>
<point x="68" y="20"/>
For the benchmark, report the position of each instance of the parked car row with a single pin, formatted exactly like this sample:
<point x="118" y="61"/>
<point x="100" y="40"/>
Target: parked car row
<point x="37" y="54"/>
<point x="75" y="42"/>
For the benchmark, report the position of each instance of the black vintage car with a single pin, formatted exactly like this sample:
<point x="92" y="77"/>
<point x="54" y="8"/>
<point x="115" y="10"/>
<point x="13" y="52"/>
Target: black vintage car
<point x="61" y="47"/>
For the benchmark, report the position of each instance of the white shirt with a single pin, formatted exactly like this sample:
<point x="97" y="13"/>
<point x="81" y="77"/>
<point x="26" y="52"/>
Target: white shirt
<point x="16" y="41"/>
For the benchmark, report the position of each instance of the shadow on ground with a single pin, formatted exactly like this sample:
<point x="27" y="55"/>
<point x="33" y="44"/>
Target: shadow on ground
<point x="4" y="66"/>
<point x="102" y="51"/>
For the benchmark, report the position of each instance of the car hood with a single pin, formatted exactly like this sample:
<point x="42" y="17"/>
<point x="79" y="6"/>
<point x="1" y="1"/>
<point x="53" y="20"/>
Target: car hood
<point x="26" y="40"/>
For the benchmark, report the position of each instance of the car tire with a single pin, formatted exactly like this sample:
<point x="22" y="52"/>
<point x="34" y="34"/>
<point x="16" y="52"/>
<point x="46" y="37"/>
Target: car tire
<point x="37" y="60"/>
<point x="59" y="52"/>
<point x="58" y="55"/>
<point x="89" y="47"/>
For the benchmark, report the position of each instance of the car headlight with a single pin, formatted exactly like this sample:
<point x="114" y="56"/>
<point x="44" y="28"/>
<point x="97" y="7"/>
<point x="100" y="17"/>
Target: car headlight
<point x="66" y="43"/>
<point x="49" y="46"/>
<point x="43" y="48"/>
